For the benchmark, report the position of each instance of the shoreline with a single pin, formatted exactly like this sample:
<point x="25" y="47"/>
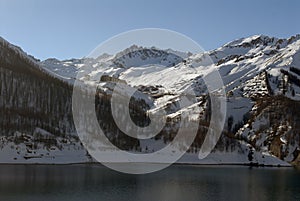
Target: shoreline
<point x="177" y="164"/>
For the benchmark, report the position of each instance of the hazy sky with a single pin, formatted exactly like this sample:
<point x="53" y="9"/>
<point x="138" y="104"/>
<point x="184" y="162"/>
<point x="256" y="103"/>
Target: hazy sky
<point x="72" y="28"/>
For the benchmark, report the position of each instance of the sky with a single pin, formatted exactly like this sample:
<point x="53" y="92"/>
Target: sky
<point x="67" y="29"/>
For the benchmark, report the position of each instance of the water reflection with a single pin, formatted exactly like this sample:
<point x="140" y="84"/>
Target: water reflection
<point x="176" y="183"/>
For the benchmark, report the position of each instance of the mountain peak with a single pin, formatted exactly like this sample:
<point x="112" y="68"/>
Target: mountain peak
<point x="140" y="56"/>
<point x="252" y="41"/>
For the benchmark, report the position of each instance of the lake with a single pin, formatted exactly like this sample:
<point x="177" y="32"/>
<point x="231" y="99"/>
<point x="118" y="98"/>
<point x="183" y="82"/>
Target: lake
<point x="176" y="183"/>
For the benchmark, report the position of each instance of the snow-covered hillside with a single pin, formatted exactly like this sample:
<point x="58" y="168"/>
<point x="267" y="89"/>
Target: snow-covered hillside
<point x="254" y="69"/>
<point x="250" y="67"/>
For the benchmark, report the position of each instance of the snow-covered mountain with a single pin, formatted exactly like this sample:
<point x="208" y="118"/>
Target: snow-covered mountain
<point x="133" y="56"/>
<point x="261" y="76"/>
